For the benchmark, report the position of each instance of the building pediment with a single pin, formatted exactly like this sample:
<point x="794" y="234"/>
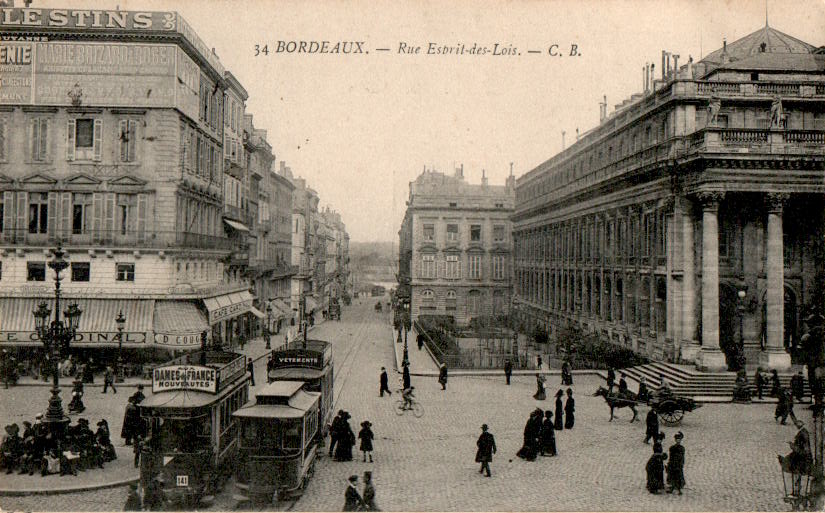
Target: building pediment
<point x="475" y="248"/>
<point x="82" y="179"/>
<point x="127" y="181"/>
<point x="428" y="248"/>
<point x="452" y="249"/>
<point x="38" y="179"/>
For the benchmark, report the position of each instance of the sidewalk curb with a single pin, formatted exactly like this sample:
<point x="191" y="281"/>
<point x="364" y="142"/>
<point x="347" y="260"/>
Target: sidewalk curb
<point x="83" y="488"/>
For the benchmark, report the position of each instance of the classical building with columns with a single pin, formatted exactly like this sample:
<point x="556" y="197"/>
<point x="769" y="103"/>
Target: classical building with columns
<point x="688" y="225"/>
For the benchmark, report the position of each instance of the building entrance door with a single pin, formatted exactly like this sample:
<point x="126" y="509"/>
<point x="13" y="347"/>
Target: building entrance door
<point x="730" y="340"/>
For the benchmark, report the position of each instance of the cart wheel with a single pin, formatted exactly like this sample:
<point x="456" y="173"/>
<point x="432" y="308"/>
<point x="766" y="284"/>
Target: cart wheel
<point x="418" y="410"/>
<point x="672" y="418"/>
<point x="399" y="407"/>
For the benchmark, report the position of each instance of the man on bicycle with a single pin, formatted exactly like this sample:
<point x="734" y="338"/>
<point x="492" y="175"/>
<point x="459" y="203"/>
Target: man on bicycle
<point x="408" y="396"/>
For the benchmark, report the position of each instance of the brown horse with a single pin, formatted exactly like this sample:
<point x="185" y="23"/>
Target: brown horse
<point x="616" y="401"/>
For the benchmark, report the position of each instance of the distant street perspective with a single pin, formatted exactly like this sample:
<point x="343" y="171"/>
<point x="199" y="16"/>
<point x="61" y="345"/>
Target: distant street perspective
<point x="247" y="268"/>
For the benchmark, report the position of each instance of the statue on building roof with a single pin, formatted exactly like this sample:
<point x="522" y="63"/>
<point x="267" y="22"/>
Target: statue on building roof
<point x="714" y="106"/>
<point x="776" y="112"/>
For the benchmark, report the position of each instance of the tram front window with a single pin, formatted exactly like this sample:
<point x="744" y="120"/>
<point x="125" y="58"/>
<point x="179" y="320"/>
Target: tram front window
<point x="185" y="436"/>
<point x="275" y="436"/>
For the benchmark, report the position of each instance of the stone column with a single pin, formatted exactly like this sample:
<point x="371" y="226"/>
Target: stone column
<point x="775" y="356"/>
<point x="710" y="358"/>
<point x="690" y="345"/>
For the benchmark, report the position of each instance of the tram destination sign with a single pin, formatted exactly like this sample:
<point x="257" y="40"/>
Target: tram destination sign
<point x="184" y="377"/>
<point x="299" y="358"/>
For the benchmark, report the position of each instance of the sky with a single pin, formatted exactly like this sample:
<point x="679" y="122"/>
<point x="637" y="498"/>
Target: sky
<point x="361" y="127"/>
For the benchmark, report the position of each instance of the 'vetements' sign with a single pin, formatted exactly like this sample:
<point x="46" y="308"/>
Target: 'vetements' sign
<point x="299" y="358"/>
<point x="184" y="377"/>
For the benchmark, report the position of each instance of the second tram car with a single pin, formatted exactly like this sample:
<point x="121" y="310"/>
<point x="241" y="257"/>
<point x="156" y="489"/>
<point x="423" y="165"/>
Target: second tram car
<point x="309" y="362"/>
<point x="193" y="436"/>
<point x="278" y="442"/>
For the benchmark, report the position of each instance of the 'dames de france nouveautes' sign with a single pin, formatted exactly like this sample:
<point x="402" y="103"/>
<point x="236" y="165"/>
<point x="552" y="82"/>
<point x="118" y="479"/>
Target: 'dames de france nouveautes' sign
<point x="184" y="377"/>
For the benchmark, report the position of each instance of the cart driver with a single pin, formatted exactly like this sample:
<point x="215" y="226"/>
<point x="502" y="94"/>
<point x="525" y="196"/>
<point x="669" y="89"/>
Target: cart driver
<point x="408" y="396"/>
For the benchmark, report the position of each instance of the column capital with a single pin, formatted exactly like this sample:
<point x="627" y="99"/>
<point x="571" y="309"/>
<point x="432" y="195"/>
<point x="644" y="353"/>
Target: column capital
<point x="710" y="200"/>
<point x="775" y="201"/>
<point x="667" y="204"/>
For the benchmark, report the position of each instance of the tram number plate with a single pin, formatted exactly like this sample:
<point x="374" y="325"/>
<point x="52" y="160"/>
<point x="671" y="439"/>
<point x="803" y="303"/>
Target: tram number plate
<point x="182" y="480"/>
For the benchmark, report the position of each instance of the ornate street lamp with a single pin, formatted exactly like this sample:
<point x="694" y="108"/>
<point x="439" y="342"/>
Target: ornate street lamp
<point x="267" y="333"/>
<point x="121" y="322"/>
<point x="405" y="320"/>
<point x="56" y="337"/>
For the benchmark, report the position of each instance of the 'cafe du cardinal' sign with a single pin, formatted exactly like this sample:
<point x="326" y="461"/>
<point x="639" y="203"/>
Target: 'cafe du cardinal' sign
<point x="184" y="377"/>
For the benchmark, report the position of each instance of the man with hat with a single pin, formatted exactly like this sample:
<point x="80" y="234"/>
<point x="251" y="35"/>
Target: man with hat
<point x="11" y="448"/>
<point x="334" y="431"/>
<point x="676" y="465"/>
<point x="486" y="444"/>
<point x="109" y="380"/>
<point x="385" y="383"/>
<point x="138" y="396"/>
<point x="352" y="500"/>
<point x="442" y="376"/>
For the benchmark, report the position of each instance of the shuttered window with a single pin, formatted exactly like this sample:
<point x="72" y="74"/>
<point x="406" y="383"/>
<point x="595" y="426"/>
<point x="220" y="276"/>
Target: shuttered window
<point x="128" y="140"/>
<point x="38" y="212"/>
<point x="39" y="139"/>
<point x="84" y="139"/>
<point x="2" y="140"/>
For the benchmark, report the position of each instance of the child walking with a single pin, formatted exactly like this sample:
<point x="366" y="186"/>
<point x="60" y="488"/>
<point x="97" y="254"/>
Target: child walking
<point x="366" y="437"/>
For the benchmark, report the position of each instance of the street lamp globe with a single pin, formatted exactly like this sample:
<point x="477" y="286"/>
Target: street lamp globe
<point x="741" y="294"/>
<point x="73" y="316"/>
<point x="42" y="314"/>
<point x="120" y="320"/>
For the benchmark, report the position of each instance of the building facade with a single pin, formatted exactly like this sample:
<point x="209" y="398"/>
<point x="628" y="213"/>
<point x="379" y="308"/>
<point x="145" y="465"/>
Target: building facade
<point x="116" y="154"/>
<point x="688" y="225"/>
<point x="456" y="236"/>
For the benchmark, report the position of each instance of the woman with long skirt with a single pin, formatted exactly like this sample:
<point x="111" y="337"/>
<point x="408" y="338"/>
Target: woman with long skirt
<point x="569" y="408"/>
<point x="559" y="423"/>
<point x="540" y="394"/>
<point x="548" y="435"/>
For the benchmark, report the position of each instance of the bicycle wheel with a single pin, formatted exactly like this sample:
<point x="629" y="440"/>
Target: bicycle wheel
<point x="399" y="407"/>
<point x="418" y="410"/>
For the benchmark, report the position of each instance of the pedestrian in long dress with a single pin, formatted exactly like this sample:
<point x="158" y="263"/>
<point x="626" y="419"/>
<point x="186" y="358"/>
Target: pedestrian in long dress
<point x="676" y="465"/>
<point x="250" y="367"/>
<point x="385" y="383"/>
<point x="559" y="422"/>
<point x="540" y="394"/>
<point x="486" y="444"/>
<point x="548" y="435"/>
<point x="776" y="386"/>
<point x="759" y="380"/>
<point x="652" y="426"/>
<point x="366" y="437"/>
<point x="442" y="376"/>
<point x="352" y="499"/>
<point x="508" y="370"/>
<point x="346" y="439"/>
<point x="532" y="431"/>
<point x="569" y="408"/>
<point x="656" y="472"/>
<point x="566" y="375"/>
<point x="798" y="386"/>
<point x="368" y="496"/>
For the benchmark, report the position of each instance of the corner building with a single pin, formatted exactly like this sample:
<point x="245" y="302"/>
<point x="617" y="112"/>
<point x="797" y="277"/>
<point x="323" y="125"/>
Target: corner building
<point x="111" y="142"/>
<point x="456" y="236"/>
<point x="688" y="225"/>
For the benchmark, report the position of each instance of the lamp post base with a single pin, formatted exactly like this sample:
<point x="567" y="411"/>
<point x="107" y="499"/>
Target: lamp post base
<point x="55" y="420"/>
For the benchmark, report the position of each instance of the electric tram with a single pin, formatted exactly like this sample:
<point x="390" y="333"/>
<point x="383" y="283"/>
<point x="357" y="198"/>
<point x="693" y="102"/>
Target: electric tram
<point x="309" y="362"/>
<point x="278" y="442"/>
<point x="193" y="436"/>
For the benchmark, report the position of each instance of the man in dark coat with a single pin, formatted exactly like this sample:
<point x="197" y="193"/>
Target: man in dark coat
<point x="406" y="376"/>
<point x="759" y="380"/>
<point x="508" y="370"/>
<point x="109" y="380"/>
<point x="486" y="444"/>
<point x="131" y="421"/>
<point x="335" y="431"/>
<point x="622" y="385"/>
<point x="385" y="383"/>
<point x="548" y="436"/>
<point x="569" y="409"/>
<point x="566" y="375"/>
<point x="138" y="395"/>
<point x="656" y="471"/>
<point x="352" y="499"/>
<point x="369" y="493"/>
<point x="643" y="394"/>
<point x="420" y="340"/>
<point x="798" y="386"/>
<point x="652" y="423"/>
<point x="250" y="368"/>
<point x="775" y="384"/>
<point x="676" y="465"/>
<point x="442" y="376"/>
<point x="611" y="379"/>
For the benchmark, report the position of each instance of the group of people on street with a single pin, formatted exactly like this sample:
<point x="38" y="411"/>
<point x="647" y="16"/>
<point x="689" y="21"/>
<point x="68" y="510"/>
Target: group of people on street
<point x="38" y="451"/>
<point x="342" y="438"/>
<point x="565" y="415"/>
<point x="540" y="429"/>
<point x="365" y="501"/>
<point x="655" y="466"/>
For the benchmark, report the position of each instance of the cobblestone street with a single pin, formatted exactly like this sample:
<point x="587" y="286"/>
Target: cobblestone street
<point x="427" y="464"/>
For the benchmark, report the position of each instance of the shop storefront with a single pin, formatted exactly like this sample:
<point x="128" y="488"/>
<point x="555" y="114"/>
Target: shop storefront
<point x="232" y="316"/>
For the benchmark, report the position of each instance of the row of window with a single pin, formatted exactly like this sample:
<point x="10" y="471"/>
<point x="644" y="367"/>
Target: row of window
<point x="82" y="213"/>
<point x="211" y="104"/>
<point x="200" y="155"/>
<point x="643" y="234"/>
<point x="233" y="114"/>
<point x="79" y="271"/>
<point x="84" y="139"/>
<point x="453" y="232"/>
<point x="474" y="301"/>
<point x="198" y="217"/>
<point x="451" y="267"/>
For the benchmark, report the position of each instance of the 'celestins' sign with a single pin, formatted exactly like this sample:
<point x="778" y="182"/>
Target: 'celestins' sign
<point x="87" y="19"/>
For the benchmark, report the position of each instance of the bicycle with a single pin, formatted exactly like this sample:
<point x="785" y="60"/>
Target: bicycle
<point x="416" y="408"/>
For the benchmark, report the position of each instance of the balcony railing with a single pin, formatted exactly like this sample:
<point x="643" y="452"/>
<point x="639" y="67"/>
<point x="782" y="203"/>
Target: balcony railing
<point x="117" y="238"/>
<point x="744" y="136"/>
<point x="755" y="88"/>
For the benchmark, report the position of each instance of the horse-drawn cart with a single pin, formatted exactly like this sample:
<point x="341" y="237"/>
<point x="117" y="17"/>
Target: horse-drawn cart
<point x="668" y="407"/>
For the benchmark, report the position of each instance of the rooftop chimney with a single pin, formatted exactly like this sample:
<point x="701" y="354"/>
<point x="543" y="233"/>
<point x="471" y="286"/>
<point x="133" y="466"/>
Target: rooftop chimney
<point x="577" y="133"/>
<point x="511" y="180"/>
<point x="484" y="178"/>
<point x="562" y="139"/>
<point x="459" y="172"/>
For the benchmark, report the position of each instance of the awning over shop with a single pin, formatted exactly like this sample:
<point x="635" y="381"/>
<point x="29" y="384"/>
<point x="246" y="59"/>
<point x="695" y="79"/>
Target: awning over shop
<point x="228" y="306"/>
<point x="97" y="326"/>
<point x="277" y="313"/>
<point x="257" y="313"/>
<point x="236" y="225"/>
<point x="178" y="324"/>
<point x="284" y="308"/>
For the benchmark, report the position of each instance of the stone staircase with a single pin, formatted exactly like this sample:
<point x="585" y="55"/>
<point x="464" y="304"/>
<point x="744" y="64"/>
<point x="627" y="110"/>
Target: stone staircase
<point x="686" y="381"/>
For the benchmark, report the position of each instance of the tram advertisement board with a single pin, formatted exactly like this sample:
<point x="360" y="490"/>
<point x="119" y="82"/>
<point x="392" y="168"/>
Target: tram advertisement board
<point x="184" y="377"/>
<point x="299" y="358"/>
